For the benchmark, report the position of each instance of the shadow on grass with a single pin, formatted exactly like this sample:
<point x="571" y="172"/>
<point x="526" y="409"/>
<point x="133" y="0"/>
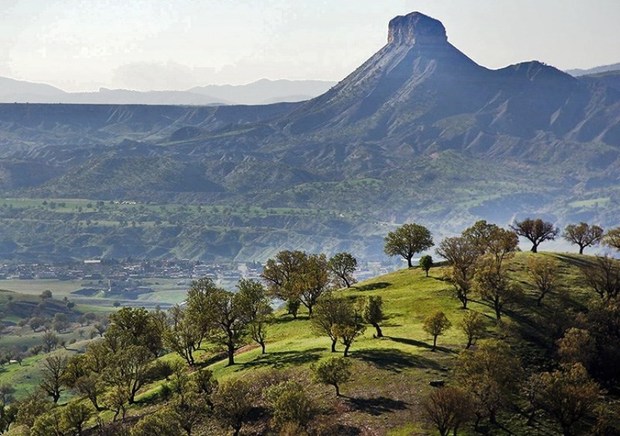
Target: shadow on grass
<point x="377" y="406"/>
<point x="395" y="360"/>
<point x="283" y="319"/>
<point x="373" y="286"/>
<point x="283" y="358"/>
<point x="421" y="344"/>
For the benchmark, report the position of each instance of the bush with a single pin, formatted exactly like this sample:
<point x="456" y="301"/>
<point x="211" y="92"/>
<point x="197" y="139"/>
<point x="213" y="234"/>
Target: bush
<point x="290" y="404"/>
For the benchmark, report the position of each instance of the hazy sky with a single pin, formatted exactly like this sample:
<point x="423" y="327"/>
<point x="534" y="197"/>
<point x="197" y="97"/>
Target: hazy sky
<point x="177" y="44"/>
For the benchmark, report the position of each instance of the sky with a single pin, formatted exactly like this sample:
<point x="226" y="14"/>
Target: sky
<point x="82" y="45"/>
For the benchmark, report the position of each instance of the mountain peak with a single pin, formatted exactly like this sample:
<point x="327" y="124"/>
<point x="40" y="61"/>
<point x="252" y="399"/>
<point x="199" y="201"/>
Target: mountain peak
<point x="416" y="28"/>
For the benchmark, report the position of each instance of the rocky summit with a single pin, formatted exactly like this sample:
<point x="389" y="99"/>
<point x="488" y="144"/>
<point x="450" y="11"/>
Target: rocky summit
<point x="416" y="28"/>
<point x="417" y="132"/>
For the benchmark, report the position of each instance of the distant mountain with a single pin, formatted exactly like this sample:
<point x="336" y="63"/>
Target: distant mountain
<point x="267" y="91"/>
<point x="20" y="91"/>
<point x="261" y="92"/>
<point x="596" y="70"/>
<point x="419" y="132"/>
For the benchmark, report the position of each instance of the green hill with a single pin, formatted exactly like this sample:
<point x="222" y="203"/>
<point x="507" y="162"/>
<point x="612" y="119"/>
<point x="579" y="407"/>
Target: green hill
<point x="392" y="375"/>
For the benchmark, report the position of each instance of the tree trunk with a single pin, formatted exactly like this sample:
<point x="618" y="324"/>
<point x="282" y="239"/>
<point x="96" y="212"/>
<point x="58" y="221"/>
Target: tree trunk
<point x="309" y="309"/>
<point x="337" y="389"/>
<point x="409" y="264"/>
<point x="379" y="332"/>
<point x="262" y="346"/>
<point x="492" y="417"/>
<point x="426" y="271"/>
<point x="434" y="342"/>
<point x="346" y="282"/>
<point x="237" y="429"/>
<point x="581" y="249"/>
<point x="498" y="309"/>
<point x="534" y="248"/>
<point x="231" y="355"/>
<point x="470" y="341"/>
<point x="346" y="350"/>
<point x="462" y="298"/>
<point x="334" y="341"/>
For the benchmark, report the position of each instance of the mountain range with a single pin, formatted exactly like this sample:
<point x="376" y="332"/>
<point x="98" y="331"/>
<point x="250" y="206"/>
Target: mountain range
<point x="419" y="132"/>
<point x="263" y="91"/>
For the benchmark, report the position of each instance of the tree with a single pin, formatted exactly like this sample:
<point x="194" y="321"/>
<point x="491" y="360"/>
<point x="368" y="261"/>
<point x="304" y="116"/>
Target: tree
<point x="116" y="400"/>
<point x="135" y="326"/>
<point x="60" y="322"/>
<point x="372" y="312"/>
<point x="183" y="335"/>
<point x="315" y="279"/>
<point x="407" y="240"/>
<point x="603" y="323"/>
<point x="256" y="308"/>
<point x="74" y="415"/>
<point x="472" y="325"/>
<point x="349" y="330"/>
<point x="436" y="324"/>
<point x="290" y="404"/>
<point x="583" y="235"/>
<point x="426" y="263"/>
<point x="603" y="277"/>
<point x="8" y="415"/>
<point x="342" y="266"/>
<point x="197" y="300"/>
<point x="295" y="275"/>
<point x="489" y="374"/>
<point x="6" y="393"/>
<point x="129" y="370"/>
<point x="52" y="375"/>
<point x="46" y="295"/>
<point x="567" y="395"/>
<point x="333" y="371"/>
<point x="188" y="410"/>
<point x="461" y="254"/>
<point x="536" y="231"/>
<point x="447" y="408"/>
<point x="577" y="346"/>
<point x="233" y="403"/>
<point x="227" y="321"/>
<point x="283" y="275"/>
<point x="480" y="235"/>
<point x="544" y="273"/>
<point x="612" y="238"/>
<point x="48" y="424"/>
<point x="494" y="285"/>
<point x="329" y="311"/>
<point x="219" y="315"/>
<point x="161" y="422"/>
<point x="31" y="407"/>
<point x="206" y="385"/>
<point x="50" y="342"/>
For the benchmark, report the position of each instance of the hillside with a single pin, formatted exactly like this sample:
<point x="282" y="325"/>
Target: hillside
<point x="392" y="375"/>
<point x="419" y="132"/>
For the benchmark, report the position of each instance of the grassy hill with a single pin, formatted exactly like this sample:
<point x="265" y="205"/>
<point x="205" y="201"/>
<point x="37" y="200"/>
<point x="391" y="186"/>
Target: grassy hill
<point x="391" y="375"/>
